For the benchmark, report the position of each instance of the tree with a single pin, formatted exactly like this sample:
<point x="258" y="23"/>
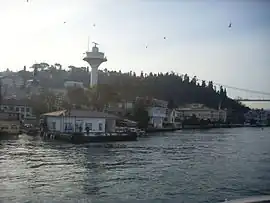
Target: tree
<point x="78" y="97"/>
<point x="210" y="84"/>
<point x="186" y="78"/>
<point x="43" y="103"/>
<point x="44" y="66"/>
<point x="58" y="65"/>
<point x="101" y="95"/>
<point x="141" y="115"/>
<point x="194" y="80"/>
<point x="203" y="83"/>
<point x="171" y="104"/>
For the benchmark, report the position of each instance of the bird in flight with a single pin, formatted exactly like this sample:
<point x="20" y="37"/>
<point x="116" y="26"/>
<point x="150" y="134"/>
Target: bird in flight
<point x="164" y="37"/>
<point x="230" y="25"/>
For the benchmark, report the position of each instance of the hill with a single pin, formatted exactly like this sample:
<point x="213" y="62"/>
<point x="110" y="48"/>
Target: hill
<point x="177" y="89"/>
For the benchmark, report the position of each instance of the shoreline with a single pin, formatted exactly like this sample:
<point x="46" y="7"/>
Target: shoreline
<point x="207" y="127"/>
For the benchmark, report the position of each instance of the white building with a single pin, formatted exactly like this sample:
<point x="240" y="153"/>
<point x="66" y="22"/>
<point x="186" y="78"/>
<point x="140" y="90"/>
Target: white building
<point x="18" y="106"/>
<point x="201" y="112"/>
<point x="73" y="120"/>
<point x="157" y="115"/>
<point x="73" y="84"/>
<point x="173" y="118"/>
<point x="157" y="110"/>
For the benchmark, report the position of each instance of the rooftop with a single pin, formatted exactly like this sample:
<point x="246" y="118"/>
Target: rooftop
<point x="15" y="102"/>
<point x="80" y="113"/>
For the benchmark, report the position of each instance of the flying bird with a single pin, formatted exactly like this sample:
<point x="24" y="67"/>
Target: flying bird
<point x="65" y="22"/>
<point x="164" y="37"/>
<point x="230" y="25"/>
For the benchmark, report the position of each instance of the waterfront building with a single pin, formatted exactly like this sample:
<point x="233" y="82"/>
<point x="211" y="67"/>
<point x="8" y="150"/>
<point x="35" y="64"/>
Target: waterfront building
<point x="69" y="121"/>
<point x="257" y="116"/>
<point x="119" y="108"/>
<point x="157" y="110"/>
<point x="157" y="116"/>
<point x="202" y="113"/>
<point x="172" y="118"/>
<point x="19" y="106"/>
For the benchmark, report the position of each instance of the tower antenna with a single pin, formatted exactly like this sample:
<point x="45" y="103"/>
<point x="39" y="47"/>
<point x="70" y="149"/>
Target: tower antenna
<point x="88" y="44"/>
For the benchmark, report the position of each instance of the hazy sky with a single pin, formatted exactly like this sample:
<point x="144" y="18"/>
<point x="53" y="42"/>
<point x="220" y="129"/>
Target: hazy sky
<point x="198" y="40"/>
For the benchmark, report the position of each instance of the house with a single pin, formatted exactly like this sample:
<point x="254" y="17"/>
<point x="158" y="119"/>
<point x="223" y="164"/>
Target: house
<point x="76" y="120"/>
<point x="173" y="118"/>
<point x="119" y="108"/>
<point x="157" y="115"/>
<point x="157" y="110"/>
<point x="201" y="112"/>
<point x="12" y="81"/>
<point x="257" y="116"/>
<point x="19" y="106"/>
<point x="73" y="84"/>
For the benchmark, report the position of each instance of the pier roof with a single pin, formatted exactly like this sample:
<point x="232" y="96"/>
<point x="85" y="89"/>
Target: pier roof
<point x="81" y="113"/>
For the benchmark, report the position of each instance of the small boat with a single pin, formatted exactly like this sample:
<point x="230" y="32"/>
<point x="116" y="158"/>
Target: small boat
<point x="258" y="199"/>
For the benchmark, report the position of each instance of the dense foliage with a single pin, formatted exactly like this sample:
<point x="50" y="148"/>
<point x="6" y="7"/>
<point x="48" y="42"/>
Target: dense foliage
<point x="113" y="86"/>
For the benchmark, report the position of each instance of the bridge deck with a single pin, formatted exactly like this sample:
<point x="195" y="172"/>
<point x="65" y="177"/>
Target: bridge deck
<point x="254" y="100"/>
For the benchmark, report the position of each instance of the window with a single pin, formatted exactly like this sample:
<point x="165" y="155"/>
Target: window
<point x="17" y="109"/>
<point x="100" y="127"/>
<point x="22" y="109"/>
<point x="68" y="126"/>
<point x="27" y="109"/>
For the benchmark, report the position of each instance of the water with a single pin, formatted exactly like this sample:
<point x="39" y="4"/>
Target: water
<point x="186" y="166"/>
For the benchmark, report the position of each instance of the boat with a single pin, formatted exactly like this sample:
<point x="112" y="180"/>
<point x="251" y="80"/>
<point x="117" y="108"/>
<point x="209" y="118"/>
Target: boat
<point x="257" y="199"/>
<point x="30" y="130"/>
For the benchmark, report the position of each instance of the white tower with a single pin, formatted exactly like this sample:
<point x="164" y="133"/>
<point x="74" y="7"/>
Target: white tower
<point x="94" y="58"/>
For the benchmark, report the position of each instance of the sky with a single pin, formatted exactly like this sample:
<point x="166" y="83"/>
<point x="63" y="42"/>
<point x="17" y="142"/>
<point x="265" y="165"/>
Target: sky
<point x="198" y="41"/>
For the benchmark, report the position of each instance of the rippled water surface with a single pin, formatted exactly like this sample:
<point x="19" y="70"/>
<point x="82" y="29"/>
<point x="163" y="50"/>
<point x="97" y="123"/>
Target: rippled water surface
<point x="185" y="166"/>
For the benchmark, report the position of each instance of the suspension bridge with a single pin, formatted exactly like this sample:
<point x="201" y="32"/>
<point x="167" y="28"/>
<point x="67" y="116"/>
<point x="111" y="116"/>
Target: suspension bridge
<point x="245" y="95"/>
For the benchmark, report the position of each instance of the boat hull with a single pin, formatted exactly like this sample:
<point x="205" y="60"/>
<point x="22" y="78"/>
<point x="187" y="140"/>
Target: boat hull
<point x="110" y="138"/>
<point x="78" y="138"/>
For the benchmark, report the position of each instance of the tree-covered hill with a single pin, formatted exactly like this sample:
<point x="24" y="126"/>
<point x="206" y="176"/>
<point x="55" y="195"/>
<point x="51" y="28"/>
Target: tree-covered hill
<point x="167" y="86"/>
